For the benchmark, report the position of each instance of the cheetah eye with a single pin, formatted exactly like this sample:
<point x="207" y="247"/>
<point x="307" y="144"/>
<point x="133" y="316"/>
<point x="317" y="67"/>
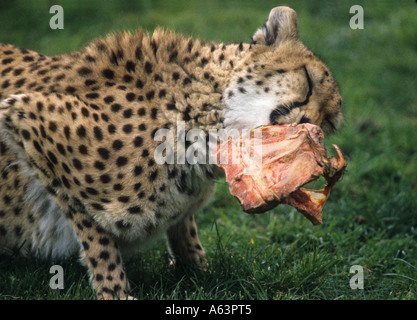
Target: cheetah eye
<point x="278" y="112"/>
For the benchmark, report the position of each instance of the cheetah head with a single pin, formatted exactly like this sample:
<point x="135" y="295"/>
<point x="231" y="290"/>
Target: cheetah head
<point x="281" y="81"/>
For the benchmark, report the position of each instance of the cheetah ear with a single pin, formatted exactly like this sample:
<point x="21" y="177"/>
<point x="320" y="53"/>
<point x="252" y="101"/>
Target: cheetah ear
<point x="281" y="25"/>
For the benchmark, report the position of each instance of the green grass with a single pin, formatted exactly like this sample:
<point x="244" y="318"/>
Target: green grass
<point x="277" y="255"/>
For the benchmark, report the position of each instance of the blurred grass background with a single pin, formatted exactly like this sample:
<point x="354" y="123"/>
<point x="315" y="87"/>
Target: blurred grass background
<point x="371" y="216"/>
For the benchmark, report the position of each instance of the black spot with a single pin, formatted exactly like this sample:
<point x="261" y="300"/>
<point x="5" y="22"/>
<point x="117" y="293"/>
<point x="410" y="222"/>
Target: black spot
<point x="104" y="241"/>
<point x="28" y="58"/>
<point x="139" y="84"/>
<point x="175" y="76"/>
<point x="37" y="146"/>
<point x="153" y="175"/>
<point x="162" y="93"/>
<point x="98" y="133"/>
<point x="83" y="149"/>
<point x="104" y="255"/>
<point x="134" y="209"/>
<point x="138" y="141"/>
<point x="127" y="128"/>
<point x="81" y="132"/>
<point x="107" y="73"/>
<point x="94" y="264"/>
<point x="85" y="112"/>
<point x="121" y="224"/>
<point x="19" y="83"/>
<point x="138" y="53"/>
<point x="108" y="99"/>
<point x="148" y="67"/>
<point x="145" y="153"/>
<point x="99" y="165"/>
<point x="104" y="153"/>
<point x="67" y="132"/>
<point x="111" y="128"/>
<point x="86" y="246"/>
<point x="5" y="84"/>
<point x="154" y="47"/>
<point x="130" y="66"/>
<point x="77" y="164"/>
<point x="193" y="233"/>
<point x="186" y="114"/>
<point x="127" y="78"/>
<point x="52" y="126"/>
<point x="61" y="149"/>
<point x="52" y="157"/>
<point x="92" y="95"/>
<point x="154" y="113"/>
<point x="142" y="111"/>
<point x="137" y="186"/>
<point x="90" y="58"/>
<point x="84" y="71"/>
<point x="88" y="178"/>
<point x="7" y="60"/>
<point x="186" y="81"/>
<point x="105" y="117"/>
<point x="123" y="199"/>
<point x="138" y="170"/>
<point x="97" y="206"/>
<point x="117" y="144"/>
<point x="121" y="161"/>
<point x="18" y="229"/>
<point x="115" y="107"/>
<point x="130" y="96"/>
<point x="91" y="191"/>
<point x="86" y="223"/>
<point x="173" y="56"/>
<point x="90" y="82"/>
<point x="150" y="95"/>
<point x="39" y="106"/>
<point x="142" y="127"/>
<point x="204" y="61"/>
<point x="66" y="168"/>
<point x="70" y="89"/>
<point x="25" y="134"/>
<point x="105" y="178"/>
<point x="127" y="113"/>
<point x="171" y="106"/>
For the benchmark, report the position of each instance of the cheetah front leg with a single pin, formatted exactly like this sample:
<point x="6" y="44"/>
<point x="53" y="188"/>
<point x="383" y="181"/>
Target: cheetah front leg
<point x="101" y="255"/>
<point x="184" y="244"/>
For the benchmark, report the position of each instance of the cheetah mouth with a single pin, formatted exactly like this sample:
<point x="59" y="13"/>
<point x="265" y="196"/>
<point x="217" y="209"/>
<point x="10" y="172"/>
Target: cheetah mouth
<point x="291" y="157"/>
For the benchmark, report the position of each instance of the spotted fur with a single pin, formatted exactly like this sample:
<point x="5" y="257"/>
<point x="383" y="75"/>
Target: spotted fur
<point x="77" y="144"/>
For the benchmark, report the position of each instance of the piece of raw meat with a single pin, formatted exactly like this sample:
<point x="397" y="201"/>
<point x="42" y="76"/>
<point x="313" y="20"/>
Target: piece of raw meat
<point x="269" y="165"/>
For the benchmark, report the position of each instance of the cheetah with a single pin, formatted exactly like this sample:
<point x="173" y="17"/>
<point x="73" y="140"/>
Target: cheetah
<point x="77" y="145"/>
